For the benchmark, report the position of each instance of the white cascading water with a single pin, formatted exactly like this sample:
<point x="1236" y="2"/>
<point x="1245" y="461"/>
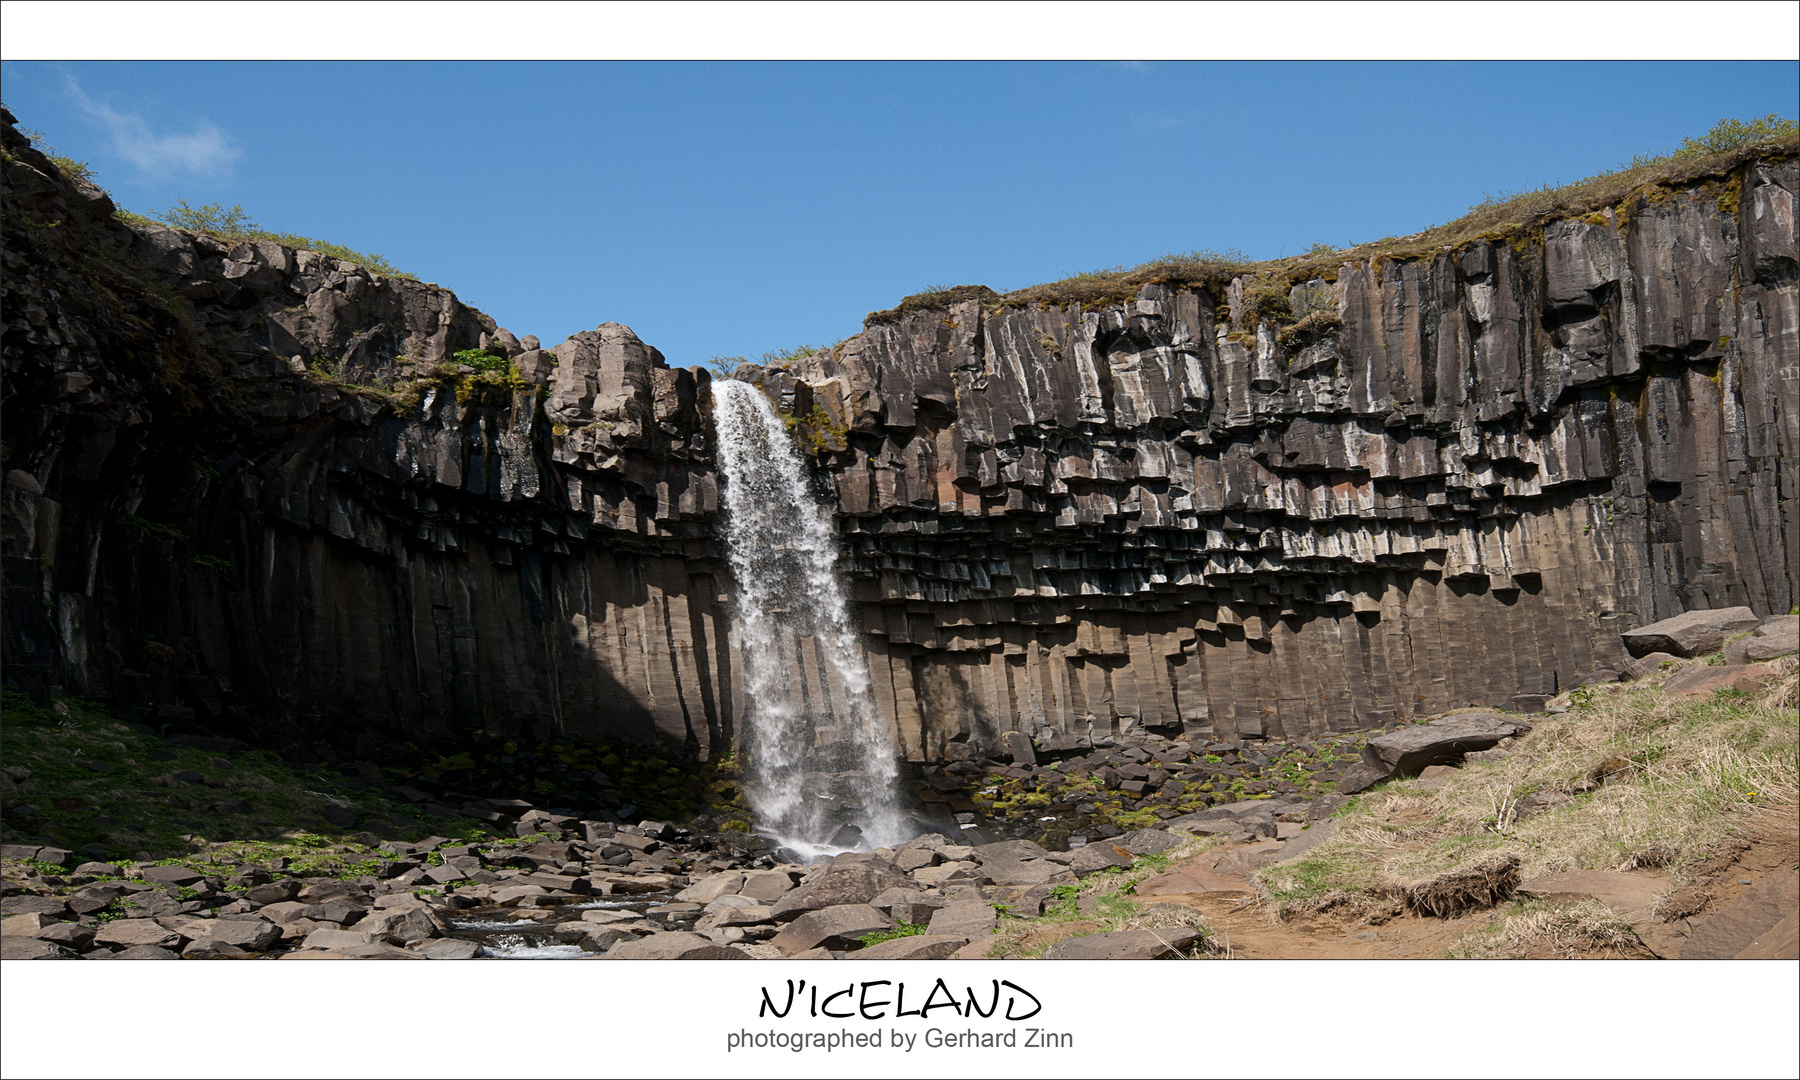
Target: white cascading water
<point x="821" y="755"/>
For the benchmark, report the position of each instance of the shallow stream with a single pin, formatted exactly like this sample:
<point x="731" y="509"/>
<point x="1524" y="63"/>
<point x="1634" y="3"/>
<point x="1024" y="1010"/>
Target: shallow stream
<point x="506" y="933"/>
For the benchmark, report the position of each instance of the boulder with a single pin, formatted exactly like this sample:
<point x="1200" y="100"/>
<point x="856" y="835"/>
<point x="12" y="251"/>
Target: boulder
<point x="1645" y="666"/>
<point x="341" y="912"/>
<point x="324" y="892"/>
<point x="603" y="938"/>
<point x="974" y="950"/>
<point x="853" y="884"/>
<point x="42" y="905"/>
<point x="285" y="911"/>
<point x="374" y="950"/>
<point x="913" y="947"/>
<point x="207" y="949"/>
<point x="965" y="920"/>
<point x="190" y="927"/>
<point x="25" y="925"/>
<point x="512" y="895"/>
<point x="1704" y="680"/>
<point x="1777" y="636"/>
<point x="72" y="935"/>
<point x="274" y="892"/>
<point x="949" y="873"/>
<point x="1361" y="777"/>
<point x="400" y="926"/>
<point x="909" y="859"/>
<point x="1411" y="749"/>
<point x="1326" y="805"/>
<point x="766" y="885"/>
<point x="1148" y="841"/>
<point x="151" y="904"/>
<point x="336" y="939"/>
<point x="734" y="916"/>
<point x="908" y="905"/>
<point x="447" y="949"/>
<point x="1307" y="839"/>
<point x="838" y="926"/>
<point x="1004" y="869"/>
<point x="133" y="932"/>
<point x="934" y="841"/>
<point x="30" y="948"/>
<point x="1124" y="945"/>
<point x="1026" y="902"/>
<point x="144" y="952"/>
<point x="710" y="888"/>
<point x="813" y="954"/>
<point x="674" y="946"/>
<point x="1009" y="850"/>
<point x="1432" y="777"/>
<point x="1198" y="875"/>
<point x="1096" y="857"/>
<point x="178" y="876"/>
<point x="1692" y="633"/>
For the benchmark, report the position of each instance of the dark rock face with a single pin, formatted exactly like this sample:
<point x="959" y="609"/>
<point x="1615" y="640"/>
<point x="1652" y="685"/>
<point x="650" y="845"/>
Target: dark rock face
<point x="251" y="488"/>
<point x="1175" y="513"/>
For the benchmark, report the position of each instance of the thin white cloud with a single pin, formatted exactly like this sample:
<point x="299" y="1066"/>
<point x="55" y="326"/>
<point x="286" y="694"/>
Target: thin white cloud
<point x="1134" y="65"/>
<point x="204" y="151"/>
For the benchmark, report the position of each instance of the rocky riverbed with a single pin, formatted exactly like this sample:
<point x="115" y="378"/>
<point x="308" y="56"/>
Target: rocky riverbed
<point x="568" y="886"/>
<point x="579" y="889"/>
<point x="1011" y="839"/>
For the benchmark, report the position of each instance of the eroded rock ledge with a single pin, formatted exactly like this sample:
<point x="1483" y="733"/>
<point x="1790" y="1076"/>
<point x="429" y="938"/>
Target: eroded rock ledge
<point x="254" y="488"/>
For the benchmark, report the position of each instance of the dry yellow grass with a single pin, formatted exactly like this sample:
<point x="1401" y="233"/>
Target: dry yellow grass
<point x="1647" y="781"/>
<point x="1504" y="218"/>
<point x="1533" y="927"/>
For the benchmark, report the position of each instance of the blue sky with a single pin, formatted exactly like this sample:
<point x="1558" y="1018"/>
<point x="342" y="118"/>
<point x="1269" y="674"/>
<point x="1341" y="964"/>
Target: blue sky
<point x="733" y="208"/>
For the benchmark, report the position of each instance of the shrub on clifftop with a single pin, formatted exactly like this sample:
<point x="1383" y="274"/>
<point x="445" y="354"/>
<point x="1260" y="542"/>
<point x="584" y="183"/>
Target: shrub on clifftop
<point x="233" y="223"/>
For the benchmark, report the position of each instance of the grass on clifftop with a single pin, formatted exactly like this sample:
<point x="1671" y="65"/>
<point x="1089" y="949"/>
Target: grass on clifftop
<point x="214" y="219"/>
<point x="1644" y="781"/>
<point x="1713" y="156"/>
<point x="234" y="224"/>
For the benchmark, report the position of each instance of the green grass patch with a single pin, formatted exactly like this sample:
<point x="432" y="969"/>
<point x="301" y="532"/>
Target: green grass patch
<point x="905" y="929"/>
<point x="234" y="224"/>
<point x="79" y="777"/>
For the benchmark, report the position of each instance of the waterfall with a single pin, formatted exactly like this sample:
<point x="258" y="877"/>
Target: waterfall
<point x="821" y="756"/>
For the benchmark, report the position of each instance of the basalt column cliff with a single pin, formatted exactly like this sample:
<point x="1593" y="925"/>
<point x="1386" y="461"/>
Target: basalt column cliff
<point x="269" y="492"/>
